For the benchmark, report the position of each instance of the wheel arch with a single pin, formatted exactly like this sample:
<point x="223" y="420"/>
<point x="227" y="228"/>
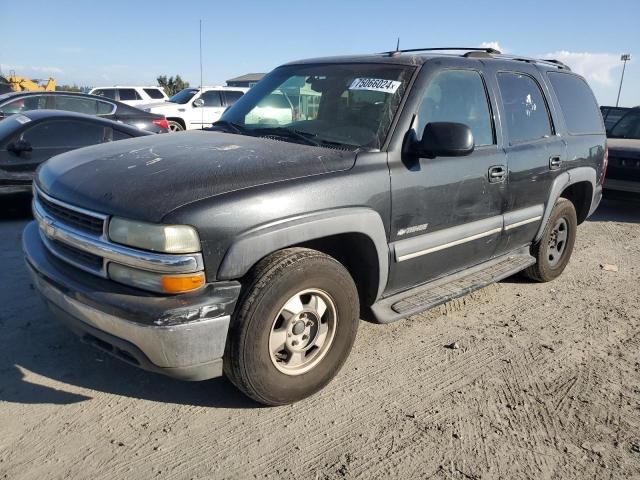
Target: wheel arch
<point x="354" y="236"/>
<point x="579" y="185"/>
<point x="179" y="120"/>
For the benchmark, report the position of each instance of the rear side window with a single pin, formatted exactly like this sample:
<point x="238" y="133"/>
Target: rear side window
<point x="458" y="96"/>
<point x="106" y="92"/>
<point x="525" y="109"/>
<point x="128" y="94"/>
<point x="153" y="93"/>
<point x="211" y="99"/>
<point x="64" y="134"/>
<point x="77" y="104"/>
<point x="232" y="97"/>
<point x="579" y="107"/>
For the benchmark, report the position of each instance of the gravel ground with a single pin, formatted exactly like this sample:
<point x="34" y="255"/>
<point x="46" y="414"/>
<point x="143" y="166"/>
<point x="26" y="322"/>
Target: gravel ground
<point x="545" y="384"/>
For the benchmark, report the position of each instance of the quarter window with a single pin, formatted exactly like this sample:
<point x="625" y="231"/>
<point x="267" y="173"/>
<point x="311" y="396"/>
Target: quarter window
<point x="154" y="93"/>
<point x="577" y="103"/>
<point x="458" y="96"/>
<point x="525" y="109"/>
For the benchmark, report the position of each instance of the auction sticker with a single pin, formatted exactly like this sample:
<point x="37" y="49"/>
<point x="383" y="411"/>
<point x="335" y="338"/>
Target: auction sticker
<point x="375" y="84"/>
<point x="22" y="119"/>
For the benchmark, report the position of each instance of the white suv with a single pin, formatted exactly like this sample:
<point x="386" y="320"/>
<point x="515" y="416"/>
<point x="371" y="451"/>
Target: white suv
<point x="134" y="96"/>
<point x="195" y="108"/>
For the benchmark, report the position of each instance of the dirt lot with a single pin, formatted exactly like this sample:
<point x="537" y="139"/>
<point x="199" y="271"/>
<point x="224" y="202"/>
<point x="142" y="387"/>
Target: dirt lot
<point x="545" y="384"/>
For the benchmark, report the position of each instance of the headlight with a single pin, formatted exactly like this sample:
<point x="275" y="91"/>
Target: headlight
<point x="154" y="237"/>
<point x="156" y="282"/>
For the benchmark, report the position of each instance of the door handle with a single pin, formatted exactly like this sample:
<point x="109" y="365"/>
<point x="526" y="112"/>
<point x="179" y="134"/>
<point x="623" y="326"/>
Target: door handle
<point x="555" y="162"/>
<point x="497" y="173"/>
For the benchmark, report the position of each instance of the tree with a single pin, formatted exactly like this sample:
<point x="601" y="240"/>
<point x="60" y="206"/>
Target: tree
<point x="172" y="85"/>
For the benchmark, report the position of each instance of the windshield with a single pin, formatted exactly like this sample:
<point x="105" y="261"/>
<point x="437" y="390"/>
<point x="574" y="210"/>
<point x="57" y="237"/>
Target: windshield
<point x="339" y="105"/>
<point x="627" y="127"/>
<point x="183" y="96"/>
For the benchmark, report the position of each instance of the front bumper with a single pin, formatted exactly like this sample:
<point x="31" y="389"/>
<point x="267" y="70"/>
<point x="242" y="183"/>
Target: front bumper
<point x="180" y="336"/>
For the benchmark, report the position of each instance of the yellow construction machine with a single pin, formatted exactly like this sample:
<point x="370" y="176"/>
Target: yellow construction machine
<point x="20" y="84"/>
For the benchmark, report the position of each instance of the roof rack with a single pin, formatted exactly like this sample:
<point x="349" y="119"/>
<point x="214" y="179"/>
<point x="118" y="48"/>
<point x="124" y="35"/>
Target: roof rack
<point x="393" y="53"/>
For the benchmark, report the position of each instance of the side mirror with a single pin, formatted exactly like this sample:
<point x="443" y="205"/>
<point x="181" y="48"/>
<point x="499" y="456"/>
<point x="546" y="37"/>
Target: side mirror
<point x="198" y="102"/>
<point x="20" y="147"/>
<point x="445" y="139"/>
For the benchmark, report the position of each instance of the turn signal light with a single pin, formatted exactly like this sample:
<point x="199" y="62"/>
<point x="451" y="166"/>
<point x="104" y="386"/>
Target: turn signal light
<point x="182" y="283"/>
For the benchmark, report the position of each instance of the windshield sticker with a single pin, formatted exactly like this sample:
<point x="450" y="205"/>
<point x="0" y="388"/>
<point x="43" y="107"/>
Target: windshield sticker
<point x="22" y="119"/>
<point x="375" y="84"/>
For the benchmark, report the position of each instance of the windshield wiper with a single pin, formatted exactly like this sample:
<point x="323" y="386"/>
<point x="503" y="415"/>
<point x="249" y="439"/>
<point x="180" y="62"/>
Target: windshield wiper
<point x="229" y="126"/>
<point x="306" y="137"/>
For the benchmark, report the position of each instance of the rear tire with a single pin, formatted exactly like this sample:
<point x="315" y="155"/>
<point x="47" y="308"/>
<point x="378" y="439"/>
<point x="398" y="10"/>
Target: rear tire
<point x="553" y="251"/>
<point x="293" y="328"/>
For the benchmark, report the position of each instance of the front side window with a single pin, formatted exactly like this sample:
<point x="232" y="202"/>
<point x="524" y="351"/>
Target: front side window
<point x="63" y="134"/>
<point x="578" y="105"/>
<point x="211" y="99"/>
<point x="128" y="94"/>
<point x="525" y="109"/>
<point x="106" y="92"/>
<point x="458" y="96"/>
<point x="343" y="105"/>
<point x="23" y="104"/>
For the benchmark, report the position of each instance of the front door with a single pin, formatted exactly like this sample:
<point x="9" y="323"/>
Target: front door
<point x="447" y="211"/>
<point x="204" y="113"/>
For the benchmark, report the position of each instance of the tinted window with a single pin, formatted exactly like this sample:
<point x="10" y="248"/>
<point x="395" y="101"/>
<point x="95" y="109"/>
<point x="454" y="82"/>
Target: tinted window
<point x="211" y="99"/>
<point x="106" y="92"/>
<point x="231" y="97"/>
<point x="64" y="134"/>
<point x="76" y="104"/>
<point x="612" y="115"/>
<point x="23" y="104"/>
<point x="128" y="94"/>
<point x="525" y="110"/>
<point x="153" y="93"/>
<point x="183" y="96"/>
<point x="579" y="107"/>
<point x="628" y="126"/>
<point x="458" y="96"/>
<point x="105" y="108"/>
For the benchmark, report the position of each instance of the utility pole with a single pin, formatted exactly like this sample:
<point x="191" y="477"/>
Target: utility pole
<point x="625" y="57"/>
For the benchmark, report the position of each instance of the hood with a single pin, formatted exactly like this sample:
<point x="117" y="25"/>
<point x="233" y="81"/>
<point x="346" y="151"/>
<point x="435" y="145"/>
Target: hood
<point x="624" y="147"/>
<point x="145" y="178"/>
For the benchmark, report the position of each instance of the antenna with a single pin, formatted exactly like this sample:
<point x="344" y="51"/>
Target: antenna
<point x="398" y="45"/>
<point x="395" y="52"/>
<point x="201" y="109"/>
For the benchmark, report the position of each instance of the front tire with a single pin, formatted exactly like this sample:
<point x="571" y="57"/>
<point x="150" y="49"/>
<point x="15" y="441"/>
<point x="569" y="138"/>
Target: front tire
<point x="294" y="326"/>
<point x="553" y="251"/>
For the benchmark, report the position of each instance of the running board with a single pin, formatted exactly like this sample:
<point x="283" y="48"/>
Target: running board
<point x="442" y="290"/>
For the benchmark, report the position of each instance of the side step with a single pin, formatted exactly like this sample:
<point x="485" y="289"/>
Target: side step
<point x="442" y="290"/>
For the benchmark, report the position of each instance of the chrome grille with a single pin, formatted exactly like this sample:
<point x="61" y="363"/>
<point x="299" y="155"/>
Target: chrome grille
<point x="71" y="217"/>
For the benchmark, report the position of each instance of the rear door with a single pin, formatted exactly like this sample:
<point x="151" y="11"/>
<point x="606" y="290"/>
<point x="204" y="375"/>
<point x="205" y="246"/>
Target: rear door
<point x="535" y="153"/>
<point x="447" y="211"/>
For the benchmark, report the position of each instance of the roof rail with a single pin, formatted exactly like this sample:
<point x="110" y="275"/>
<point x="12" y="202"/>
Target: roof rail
<point x="438" y="49"/>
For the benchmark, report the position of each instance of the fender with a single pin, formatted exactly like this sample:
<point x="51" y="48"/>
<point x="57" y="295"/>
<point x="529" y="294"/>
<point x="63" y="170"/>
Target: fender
<point x="561" y="182"/>
<point x="257" y="243"/>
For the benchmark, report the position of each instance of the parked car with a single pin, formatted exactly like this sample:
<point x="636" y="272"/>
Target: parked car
<point x="192" y="108"/>
<point x="611" y="115"/>
<point x="133" y="96"/>
<point x="623" y="171"/>
<point x="413" y="178"/>
<point x="30" y="138"/>
<point x="274" y="109"/>
<point x="20" y="102"/>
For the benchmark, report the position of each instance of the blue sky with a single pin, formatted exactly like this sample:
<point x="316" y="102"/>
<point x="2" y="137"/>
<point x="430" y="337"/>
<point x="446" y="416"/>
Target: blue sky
<point x="130" y="42"/>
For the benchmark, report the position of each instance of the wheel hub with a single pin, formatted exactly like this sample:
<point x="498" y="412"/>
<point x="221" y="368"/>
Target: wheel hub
<point x="557" y="242"/>
<point x="302" y="332"/>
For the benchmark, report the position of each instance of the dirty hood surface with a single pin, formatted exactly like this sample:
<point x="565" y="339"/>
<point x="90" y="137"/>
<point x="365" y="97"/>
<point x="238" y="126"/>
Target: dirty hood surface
<point x="146" y="178"/>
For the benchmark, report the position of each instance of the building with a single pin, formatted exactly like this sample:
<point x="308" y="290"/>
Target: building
<point x="247" y="81"/>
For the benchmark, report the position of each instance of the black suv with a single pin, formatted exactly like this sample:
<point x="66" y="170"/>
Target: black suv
<point x="397" y="181"/>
